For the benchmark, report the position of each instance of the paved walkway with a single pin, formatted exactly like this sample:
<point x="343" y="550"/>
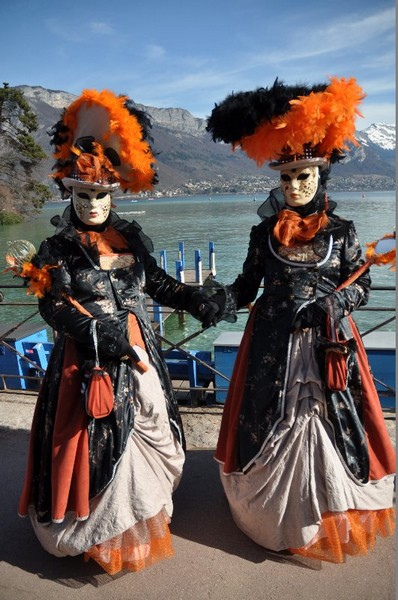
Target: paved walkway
<point x="213" y="559"/>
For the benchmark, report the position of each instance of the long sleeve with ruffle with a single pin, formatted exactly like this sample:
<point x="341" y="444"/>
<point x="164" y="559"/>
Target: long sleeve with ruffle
<point x="345" y="301"/>
<point x="164" y="289"/>
<point x="246" y="285"/>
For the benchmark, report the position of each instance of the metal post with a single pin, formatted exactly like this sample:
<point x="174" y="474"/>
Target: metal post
<point x="181" y="254"/>
<point x="212" y="258"/>
<point x="163" y="260"/>
<point x="198" y="268"/>
<point x="158" y="316"/>
<point x="180" y="276"/>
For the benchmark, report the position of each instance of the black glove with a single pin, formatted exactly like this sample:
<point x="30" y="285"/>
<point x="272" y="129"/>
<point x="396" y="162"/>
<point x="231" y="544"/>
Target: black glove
<point x="311" y="315"/>
<point x="204" y="309"/>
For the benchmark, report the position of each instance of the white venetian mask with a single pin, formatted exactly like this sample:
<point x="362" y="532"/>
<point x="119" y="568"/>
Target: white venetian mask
<point x="299" y="186"/>
<point x="92" y="206"/>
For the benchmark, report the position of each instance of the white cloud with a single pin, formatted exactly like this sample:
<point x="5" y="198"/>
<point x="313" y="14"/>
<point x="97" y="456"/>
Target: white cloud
<point x="378" y="85"/>
<point x="153" y="51"/>
<point x="57" y="27"/>
<point x="374" y="112"/>
<point x="351" y="31"/>
<point x="349" y="43"/>
<point x="77" y="35"/>
<point x="99" y="27"/>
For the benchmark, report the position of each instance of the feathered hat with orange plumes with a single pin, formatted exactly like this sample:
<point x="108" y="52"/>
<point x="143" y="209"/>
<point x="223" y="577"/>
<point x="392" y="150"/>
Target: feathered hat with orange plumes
<point x="102" y="141"/>
<point x="290" y="124"/>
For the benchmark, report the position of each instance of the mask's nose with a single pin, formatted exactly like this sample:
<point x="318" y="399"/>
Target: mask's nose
<point x="97" y="198"/>
<point x="95" y="201"/>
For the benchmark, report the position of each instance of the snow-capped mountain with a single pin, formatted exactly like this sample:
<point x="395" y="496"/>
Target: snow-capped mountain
<point x="379" y="134"/>
<point x="375" y="155"/>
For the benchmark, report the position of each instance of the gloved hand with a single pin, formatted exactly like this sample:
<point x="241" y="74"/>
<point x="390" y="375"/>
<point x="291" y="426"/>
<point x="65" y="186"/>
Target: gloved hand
<point x="205" y="309"/>
<point x="312" y="315"/>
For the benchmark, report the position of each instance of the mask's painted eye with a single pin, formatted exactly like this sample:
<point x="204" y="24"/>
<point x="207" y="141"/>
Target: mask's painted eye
<point x="83" y="195"/>
<point x="101" y="195"/>
<point x="285" y="177"/>
<point x="303" y="176"/>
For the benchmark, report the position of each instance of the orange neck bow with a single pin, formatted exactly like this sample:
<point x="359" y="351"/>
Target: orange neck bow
<point x="291" y="228"/>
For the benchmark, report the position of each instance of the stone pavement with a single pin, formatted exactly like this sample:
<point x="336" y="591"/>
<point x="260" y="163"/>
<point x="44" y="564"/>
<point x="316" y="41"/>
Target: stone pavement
<point x="213" y="559"/>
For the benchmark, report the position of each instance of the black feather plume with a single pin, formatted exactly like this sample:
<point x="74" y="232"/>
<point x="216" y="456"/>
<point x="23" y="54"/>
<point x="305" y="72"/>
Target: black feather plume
<point x="241" y="113"/>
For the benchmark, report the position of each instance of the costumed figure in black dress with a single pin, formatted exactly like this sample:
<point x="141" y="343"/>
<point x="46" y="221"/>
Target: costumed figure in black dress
<point x="305" y="458"/>
<point x="103" y="486"/>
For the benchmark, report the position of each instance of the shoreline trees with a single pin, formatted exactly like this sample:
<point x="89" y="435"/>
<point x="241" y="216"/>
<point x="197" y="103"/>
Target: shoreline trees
<point x="20" y="193"/>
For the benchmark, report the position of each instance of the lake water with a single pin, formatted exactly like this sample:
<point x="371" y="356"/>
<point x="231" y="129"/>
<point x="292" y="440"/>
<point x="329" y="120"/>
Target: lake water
<point x="224" y="220"/>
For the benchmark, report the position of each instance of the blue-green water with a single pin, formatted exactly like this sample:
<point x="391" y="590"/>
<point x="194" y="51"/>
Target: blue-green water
<point x="224" y="220"/>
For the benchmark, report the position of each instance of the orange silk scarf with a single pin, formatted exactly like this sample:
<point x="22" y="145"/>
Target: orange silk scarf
<point x="291" y="228"/>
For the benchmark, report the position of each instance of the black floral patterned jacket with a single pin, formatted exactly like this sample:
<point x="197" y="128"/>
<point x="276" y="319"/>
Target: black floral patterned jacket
<point x="294" y="277"/>
<point x="109" y="296"/>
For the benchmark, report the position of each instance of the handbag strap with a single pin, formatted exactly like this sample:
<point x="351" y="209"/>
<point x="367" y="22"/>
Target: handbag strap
<point x="93" y="327"/>
<point x="331" y="326"/>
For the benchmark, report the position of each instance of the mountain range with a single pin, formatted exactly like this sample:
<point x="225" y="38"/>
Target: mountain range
<point x="189" y="162"/>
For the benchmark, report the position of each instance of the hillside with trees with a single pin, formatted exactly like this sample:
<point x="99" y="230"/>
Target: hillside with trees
<point x="21" y="193"/>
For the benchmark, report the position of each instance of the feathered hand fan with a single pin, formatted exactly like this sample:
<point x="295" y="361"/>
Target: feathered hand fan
<point x="380" y="252"/>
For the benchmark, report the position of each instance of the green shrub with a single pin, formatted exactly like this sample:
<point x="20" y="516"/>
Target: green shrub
<point x="10" y="218"/>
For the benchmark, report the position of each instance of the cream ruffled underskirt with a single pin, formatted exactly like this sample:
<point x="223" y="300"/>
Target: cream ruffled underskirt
<point x="146" y="476"/>
<point x="299" y="476"/>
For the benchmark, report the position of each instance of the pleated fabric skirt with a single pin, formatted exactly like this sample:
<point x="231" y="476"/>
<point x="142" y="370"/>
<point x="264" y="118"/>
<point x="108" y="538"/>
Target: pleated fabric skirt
<point x="299" y="494"/>
<point x="127" y="527"/>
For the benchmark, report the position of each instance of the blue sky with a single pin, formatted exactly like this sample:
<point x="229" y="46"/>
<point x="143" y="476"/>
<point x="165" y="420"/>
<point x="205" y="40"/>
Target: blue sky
<point x="174" y="53"/>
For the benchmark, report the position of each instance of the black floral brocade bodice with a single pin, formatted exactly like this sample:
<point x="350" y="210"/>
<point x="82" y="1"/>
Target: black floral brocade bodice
<point x="291" y="278"/>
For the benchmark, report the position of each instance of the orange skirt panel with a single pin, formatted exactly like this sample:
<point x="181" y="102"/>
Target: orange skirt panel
<point x="226" y="451"/>
<point x="70" y="460"/>
<point x="70" y="476"/>
<point x="134" y="332"/>
<point x="380" y="448"/>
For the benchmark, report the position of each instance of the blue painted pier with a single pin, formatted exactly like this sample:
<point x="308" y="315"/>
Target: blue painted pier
<point x="380" y="347"/>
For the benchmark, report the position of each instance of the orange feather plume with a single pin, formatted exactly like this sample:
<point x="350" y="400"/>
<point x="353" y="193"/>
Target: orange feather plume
<point x="116" y="126"/>
<point x="376" y="257"/>
<point x="324" y="120"/>
<point x="39" y="279"/>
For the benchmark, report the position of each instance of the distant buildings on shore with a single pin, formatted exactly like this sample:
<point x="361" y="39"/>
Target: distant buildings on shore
<point x="259" y="185"/>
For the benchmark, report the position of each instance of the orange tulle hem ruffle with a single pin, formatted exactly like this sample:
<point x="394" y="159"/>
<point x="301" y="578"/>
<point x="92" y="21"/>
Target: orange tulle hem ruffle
<point x="142" y="545"/>
<point x="353" y="532"/>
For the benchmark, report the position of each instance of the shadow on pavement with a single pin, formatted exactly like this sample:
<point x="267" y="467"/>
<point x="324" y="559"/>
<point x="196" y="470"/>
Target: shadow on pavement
<point x="201" y="515"/>
<point x="21" y="548"/>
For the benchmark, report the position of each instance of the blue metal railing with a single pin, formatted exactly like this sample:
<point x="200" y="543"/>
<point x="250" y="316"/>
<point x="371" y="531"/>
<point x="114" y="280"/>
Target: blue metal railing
<point x="194" y="367"/>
